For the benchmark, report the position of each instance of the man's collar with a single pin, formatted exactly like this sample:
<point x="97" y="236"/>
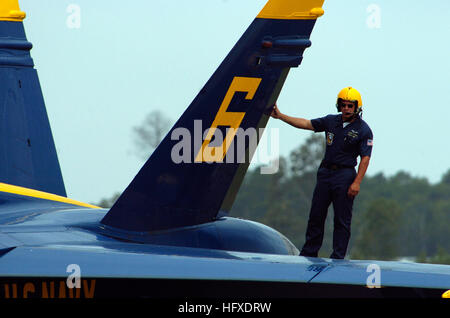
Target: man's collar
<point x="339" y="120"/>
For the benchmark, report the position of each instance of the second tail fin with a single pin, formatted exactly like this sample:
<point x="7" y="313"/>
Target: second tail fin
<point x="193" y="175"/>
<point x="27" y="151"/>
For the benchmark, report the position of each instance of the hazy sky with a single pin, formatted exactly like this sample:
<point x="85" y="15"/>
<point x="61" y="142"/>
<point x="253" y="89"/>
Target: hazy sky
<point x="101" y="74"/>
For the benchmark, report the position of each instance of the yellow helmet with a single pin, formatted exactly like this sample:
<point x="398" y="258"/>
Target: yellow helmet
<point x="352" y="95"/>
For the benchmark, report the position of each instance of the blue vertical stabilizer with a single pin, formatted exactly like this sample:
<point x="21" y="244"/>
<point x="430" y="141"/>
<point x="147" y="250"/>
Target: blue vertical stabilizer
<point x="197" y="169"/>
<point x="27" y="151"/>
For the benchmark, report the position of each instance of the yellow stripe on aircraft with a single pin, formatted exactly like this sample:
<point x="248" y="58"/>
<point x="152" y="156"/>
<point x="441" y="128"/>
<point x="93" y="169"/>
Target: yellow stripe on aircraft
<point x="292" y="10"/>
<point x="41" y="195"/>
<point x="10" y="11"/>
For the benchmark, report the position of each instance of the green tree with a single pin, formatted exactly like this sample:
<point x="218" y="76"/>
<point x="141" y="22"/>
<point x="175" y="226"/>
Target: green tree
<point x="442" y="256"/>
<point x="147" y="137"/>
<point x="108" y="202"/>
<point x="279" y="215"/>
<point x="150" y="132"/>
<point x="446" y="178"/>
<point x="283" y="200"/>
<point x="306" y="158"/>
<point x="378" y="237"/>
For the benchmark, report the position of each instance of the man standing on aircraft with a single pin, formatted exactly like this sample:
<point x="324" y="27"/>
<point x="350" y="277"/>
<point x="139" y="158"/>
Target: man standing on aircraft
<point x="347" y="137"/>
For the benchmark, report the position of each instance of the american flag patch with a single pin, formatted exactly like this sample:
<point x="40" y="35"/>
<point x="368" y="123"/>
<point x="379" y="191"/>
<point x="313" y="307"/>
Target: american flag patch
<point x="370" y="142"/>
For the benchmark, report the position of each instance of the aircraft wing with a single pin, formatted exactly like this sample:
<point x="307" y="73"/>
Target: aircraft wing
<point x="111" y="269"/>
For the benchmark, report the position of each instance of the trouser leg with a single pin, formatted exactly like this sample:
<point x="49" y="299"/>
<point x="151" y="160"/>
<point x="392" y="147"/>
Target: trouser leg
<point x="316" y="223"/>
<point x="342" y="205"/>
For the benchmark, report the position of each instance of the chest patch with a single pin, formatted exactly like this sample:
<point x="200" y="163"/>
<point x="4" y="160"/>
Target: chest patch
<point x="352" y="134"/>
<point x="330" y="138"/>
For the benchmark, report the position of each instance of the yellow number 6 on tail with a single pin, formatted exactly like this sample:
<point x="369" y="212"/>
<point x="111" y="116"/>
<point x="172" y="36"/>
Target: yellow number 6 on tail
<point x="224" y="118"/>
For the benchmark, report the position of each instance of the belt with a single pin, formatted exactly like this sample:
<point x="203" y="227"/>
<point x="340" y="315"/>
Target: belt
<point x="334" y="166"/>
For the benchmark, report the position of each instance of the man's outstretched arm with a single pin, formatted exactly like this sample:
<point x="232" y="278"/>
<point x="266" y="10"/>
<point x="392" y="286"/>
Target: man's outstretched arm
<point x="297" y="122"/>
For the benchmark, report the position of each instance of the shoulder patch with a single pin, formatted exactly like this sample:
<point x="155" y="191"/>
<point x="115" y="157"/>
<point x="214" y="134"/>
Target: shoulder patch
<point x="330" y="137"/>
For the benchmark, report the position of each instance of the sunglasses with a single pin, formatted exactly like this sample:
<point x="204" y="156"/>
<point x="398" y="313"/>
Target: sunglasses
<point x="347" y="105"/>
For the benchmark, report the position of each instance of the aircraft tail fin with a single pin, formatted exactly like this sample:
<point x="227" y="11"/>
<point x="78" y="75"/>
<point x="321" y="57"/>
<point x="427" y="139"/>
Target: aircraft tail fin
<point x="193" y="175"/>
<point x="27" y="151"/>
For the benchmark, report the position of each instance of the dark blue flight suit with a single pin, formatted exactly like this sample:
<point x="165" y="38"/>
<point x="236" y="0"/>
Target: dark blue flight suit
<point x="334" y="177"/>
